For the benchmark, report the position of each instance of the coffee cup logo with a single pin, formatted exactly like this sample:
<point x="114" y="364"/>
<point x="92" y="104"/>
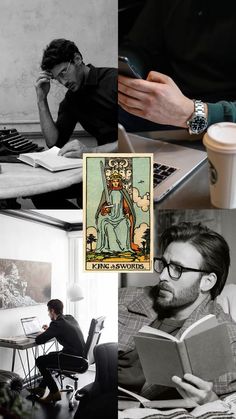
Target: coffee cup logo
<point x="213" y="173"/>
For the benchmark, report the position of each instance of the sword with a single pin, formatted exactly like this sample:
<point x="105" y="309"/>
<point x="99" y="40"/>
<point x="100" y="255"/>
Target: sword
<point x="104" y="183"/>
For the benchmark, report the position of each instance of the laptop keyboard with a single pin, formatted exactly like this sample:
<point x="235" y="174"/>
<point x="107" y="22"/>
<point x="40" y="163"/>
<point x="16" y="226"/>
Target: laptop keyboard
<point x="161" y="172"/>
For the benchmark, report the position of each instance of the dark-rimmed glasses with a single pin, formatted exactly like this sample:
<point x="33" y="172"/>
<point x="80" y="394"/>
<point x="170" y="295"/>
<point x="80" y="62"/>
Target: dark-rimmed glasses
<point x="174" y="270"/>
<point x="62" y="75"/>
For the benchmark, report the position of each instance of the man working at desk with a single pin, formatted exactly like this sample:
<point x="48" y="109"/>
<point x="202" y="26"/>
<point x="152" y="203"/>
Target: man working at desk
<point x="183" y="48"/>
<point x="192" y="271"/>
<point x="67" y="332"/>
<point x="91" y="100"/>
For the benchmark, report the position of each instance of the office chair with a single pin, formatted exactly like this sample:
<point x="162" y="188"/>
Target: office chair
<point x="99" y="399"/>
<point x="93" y="338"/>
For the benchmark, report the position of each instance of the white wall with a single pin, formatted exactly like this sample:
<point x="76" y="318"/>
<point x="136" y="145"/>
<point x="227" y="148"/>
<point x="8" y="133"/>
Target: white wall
<point x="100" y="291"/>
<point x="27" y="26"/>
<point x="26" y="240"/>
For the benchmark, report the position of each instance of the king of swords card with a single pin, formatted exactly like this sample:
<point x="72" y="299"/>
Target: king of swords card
<point x="118" y="207"/>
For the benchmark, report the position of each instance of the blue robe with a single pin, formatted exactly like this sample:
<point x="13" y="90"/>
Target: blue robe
<point x="114" y="229"/>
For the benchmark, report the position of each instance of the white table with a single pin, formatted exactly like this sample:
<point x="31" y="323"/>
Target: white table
<point x="21" y="180"/>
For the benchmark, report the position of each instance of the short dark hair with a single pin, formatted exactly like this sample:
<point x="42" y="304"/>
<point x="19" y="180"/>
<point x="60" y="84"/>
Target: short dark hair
<point x="56" y="305"/>
<point x="211" y="245"/>
<point x="57" y="52"/>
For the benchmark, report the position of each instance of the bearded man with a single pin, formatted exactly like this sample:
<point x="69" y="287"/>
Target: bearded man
<point x="191" y="272"/>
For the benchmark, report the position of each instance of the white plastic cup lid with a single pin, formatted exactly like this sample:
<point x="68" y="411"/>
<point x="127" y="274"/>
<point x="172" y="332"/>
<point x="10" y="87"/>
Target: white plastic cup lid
<point x="221" y="137"/>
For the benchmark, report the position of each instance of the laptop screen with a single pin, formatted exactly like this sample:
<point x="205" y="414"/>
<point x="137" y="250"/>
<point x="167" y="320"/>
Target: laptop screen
<point x="31" y="325"/>
<point x="125" y="145"/>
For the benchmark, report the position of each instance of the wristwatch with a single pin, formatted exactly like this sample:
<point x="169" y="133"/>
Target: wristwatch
<point x="198" y="121"/>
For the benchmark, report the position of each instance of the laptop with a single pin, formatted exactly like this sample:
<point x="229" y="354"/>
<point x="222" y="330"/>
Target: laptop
<point x="31" y="327"/>
<point x="172" y="163"/>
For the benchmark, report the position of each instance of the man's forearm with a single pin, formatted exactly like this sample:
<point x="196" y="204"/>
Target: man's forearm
<point x="44" y="337"/>
<point x="48" y="127"/>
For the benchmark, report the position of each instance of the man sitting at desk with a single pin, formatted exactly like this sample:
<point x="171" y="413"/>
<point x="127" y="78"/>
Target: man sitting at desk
<point x="192" y="270"/>
<point x="68" y="334"/>
<point x="91" y="100"/>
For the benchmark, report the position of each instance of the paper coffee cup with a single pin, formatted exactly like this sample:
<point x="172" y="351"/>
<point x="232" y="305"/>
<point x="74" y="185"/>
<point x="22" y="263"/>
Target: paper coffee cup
<point x="220" y="142"/>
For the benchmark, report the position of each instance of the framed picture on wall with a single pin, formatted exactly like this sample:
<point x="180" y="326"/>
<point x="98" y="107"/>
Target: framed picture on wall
<point x="24" y="283"/>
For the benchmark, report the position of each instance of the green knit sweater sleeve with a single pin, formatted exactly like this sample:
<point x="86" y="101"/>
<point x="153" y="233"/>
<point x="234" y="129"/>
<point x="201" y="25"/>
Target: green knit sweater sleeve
<point x="221" y="112"/>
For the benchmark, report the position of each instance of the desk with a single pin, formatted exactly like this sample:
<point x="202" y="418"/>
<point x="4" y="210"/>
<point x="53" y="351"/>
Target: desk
<point x="193" y="192"/>
<point x="31" y="344"/>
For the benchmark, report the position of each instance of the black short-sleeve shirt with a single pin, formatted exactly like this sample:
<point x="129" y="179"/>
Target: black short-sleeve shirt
<point x="94" y="106"/>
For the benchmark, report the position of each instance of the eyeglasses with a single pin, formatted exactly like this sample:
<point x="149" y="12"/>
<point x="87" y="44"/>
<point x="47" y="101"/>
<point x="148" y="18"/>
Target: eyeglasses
<point x="174" y="270"/>
<point x="62" y="75"/>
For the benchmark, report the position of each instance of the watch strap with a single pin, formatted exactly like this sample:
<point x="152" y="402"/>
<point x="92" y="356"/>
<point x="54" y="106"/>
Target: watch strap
<point x="199" y="108"/>
<point x="198" y="117"/>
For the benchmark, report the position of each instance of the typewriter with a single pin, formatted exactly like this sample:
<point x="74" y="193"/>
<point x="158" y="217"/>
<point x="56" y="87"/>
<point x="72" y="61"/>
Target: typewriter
<point x="13" y="143"/>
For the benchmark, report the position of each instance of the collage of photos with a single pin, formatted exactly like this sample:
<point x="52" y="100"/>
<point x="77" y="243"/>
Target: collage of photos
<point x="117" y="209"/>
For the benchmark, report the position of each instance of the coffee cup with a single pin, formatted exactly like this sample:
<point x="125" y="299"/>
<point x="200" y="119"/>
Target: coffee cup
<point x="220" y="142"/>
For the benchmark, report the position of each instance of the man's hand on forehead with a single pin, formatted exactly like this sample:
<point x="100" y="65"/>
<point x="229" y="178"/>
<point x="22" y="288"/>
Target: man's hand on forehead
<point x="42" y="84"/>
<point x="47" y="73"/>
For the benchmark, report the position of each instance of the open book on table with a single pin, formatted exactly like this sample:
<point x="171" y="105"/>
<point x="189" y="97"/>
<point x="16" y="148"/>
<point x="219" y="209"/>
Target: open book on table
<point x="50" y="160"/>
<point x="127" y="399"/>
<point x="203" y="350"/>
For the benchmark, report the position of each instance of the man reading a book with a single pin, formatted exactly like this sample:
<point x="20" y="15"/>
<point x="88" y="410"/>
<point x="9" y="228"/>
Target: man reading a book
<point x="191" y="269"/>
<point x="91" y="100"/>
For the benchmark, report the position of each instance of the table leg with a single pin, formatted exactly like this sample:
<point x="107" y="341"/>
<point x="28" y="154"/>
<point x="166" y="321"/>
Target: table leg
<point x="22" y="364"/>
<point x="28" y="364"/>
<point x="13" y="360"/>
<point x="35" y="352"/>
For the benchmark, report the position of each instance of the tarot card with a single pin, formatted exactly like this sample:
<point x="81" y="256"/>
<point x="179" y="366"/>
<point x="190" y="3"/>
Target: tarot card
<point x="118" y="208"/>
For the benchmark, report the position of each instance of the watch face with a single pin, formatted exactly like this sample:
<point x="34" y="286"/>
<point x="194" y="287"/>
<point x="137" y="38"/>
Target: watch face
<point x="198" y="124"/>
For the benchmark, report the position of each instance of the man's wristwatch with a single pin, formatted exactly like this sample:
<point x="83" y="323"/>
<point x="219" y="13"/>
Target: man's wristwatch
<point x="198" y="121"/>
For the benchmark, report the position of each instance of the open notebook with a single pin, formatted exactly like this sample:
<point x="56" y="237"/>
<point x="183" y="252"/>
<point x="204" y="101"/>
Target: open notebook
<point x="50" y="160"/>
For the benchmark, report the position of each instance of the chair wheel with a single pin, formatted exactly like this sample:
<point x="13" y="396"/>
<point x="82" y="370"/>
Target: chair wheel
<point x="71" y="406"/>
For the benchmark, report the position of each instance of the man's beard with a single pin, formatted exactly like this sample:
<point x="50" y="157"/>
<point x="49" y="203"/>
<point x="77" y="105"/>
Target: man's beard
<point x="167" y="302"/>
